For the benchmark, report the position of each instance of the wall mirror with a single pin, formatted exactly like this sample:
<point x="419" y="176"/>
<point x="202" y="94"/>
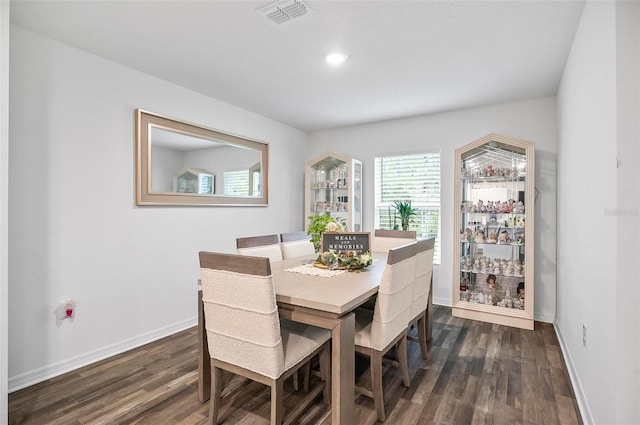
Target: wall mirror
<point x="179" y="163"/>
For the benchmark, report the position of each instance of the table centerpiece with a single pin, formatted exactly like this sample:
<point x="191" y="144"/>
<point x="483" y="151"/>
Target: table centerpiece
<point x="347" y="260"/>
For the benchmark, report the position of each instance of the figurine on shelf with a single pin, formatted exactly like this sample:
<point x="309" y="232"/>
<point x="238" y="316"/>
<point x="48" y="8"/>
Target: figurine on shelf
<point x="493" y="238"/>
<point x="479" y="238"/>
<point x="481" y="207"/>
<point x="493" y="290"/>
<point x="509" y="270"/>
<point x="518" y="208"/>
<point x="489" y="170"/>
<point x="464" y="284"/>
<point x="504" y="237"/>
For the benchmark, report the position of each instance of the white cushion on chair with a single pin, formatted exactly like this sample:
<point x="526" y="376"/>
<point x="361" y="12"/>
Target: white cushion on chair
<point x="393" y="307"/>
<point x="300" y="340"/>
<point x="384" y="244"/>
<point x="273" y="252"/>
<point x="242" y="322"/>
<point x="364" y="321"/>
<point x="243" y="326"/>
<point x="421" y="286"/>
<point x="298" y="248"/>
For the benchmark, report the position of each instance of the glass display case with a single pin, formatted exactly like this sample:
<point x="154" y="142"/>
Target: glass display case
<point x="493" y="278"/>
<point x="333" y="187"/>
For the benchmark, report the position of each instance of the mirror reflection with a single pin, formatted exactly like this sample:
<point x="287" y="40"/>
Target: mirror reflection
<point x="181" y="163"/>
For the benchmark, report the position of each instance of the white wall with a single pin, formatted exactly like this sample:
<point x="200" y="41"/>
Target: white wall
<point x="533" y="120"/>
<point x="598" y="214"/>
<point x="75" y="231"/>
<point x="4" y="207"/>
<point x="628" y="289"/>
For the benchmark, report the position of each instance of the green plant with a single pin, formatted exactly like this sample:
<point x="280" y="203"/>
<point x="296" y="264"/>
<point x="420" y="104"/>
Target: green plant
<point x="406" y="213"/>
<point x="318" y="225"/>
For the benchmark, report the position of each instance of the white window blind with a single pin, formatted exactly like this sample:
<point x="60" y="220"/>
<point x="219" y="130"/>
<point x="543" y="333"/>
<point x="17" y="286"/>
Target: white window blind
<point x="236" y="183"/>
<point x="410" y="177"/>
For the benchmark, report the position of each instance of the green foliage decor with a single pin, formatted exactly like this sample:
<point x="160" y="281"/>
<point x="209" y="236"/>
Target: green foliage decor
<point x="406" y="213"/>
<point x="318" y="225"/>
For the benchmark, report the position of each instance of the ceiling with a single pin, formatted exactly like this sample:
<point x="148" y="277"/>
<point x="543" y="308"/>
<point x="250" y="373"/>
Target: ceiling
<point x="405" y="58"/>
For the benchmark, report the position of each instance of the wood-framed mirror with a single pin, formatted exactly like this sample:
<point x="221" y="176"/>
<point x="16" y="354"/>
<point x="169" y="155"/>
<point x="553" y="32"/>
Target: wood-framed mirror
<point x="180" y="163"/>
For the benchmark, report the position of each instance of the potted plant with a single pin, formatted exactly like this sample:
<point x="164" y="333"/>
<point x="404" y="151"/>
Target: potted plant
<point x="318" y="224"/>
<point x="406" y="213"/>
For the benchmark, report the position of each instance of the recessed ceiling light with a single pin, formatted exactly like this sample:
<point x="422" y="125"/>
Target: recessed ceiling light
<point x="336" y="59"/>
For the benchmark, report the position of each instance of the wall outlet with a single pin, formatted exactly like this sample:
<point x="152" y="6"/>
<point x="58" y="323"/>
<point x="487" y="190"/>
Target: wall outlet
<point x="584" y="335"/>
<point x="66" y="310"/>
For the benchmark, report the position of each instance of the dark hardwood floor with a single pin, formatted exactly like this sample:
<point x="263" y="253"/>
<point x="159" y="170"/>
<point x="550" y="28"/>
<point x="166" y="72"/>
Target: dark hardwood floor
<point x="477" y="373"/>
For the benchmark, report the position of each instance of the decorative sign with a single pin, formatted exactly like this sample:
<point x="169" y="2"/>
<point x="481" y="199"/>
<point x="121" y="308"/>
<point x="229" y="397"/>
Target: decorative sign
<point x="357" y="242"/>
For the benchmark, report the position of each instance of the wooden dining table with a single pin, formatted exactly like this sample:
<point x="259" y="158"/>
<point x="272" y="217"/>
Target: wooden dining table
<point x="326" y="302"/>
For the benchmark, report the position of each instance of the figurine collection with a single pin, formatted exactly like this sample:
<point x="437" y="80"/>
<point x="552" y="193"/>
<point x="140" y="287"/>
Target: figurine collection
<point x="496" y="236"/>
<point x="509" y="207"/>
<point x="492" y="293"/>
<point x="489" y="171"/>
<point x="497" y="266"/>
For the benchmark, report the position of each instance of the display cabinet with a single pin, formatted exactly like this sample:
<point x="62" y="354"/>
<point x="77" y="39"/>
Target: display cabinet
<point x="493" y="278"/>
<point x="333" y="187"/>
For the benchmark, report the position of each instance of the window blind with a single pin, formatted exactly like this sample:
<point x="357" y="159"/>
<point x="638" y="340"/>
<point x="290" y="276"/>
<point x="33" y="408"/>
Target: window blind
<point x="236" y="183"/>
<point x="410" y="177"/>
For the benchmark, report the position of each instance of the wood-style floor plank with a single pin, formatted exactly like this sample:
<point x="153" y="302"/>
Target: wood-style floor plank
<point x="476" y="374"/>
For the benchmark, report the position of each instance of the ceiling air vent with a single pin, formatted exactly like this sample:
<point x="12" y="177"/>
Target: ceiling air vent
<point x="284" y="10"/>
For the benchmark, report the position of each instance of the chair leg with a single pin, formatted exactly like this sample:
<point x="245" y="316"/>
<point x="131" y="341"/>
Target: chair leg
<point x="296" y="381"/>
<point x="422" y="336"/>
<point x="307" y="375"/>
<point x="325" y="372"/>
<point x="376" y="384"/>
<point x="276" y="402"/>
<point x="403" y="363"/>
<point x="216" y="392"/>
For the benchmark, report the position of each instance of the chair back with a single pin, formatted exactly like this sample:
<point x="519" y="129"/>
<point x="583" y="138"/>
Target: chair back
<point x="395" y="296"/>
<point x="424" y="274"/>
<point x="384" y="240"/>
<point x="240" y="311"/>
<point x="296" y="244"/>
<point x="260" y="246"/>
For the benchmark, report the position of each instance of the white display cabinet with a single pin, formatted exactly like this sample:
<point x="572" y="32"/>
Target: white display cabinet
<point x="494" y="231"/>
<point x="333" y="186"/>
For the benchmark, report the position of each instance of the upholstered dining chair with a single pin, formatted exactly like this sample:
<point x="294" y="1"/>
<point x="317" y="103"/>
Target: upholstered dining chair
<point x="422" y="285"/>
<point x="245" y="335"/>
<point x="260" y="246"/>
<point x="296" y="244"/>
<point x="384" y="240"/>
<point x="385" y="327"/>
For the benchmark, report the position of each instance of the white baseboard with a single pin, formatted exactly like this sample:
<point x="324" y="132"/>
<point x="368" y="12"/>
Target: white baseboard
<point x="583" y="406"/>
<point x="445" y="302"/>
<point x="47" y="372"/>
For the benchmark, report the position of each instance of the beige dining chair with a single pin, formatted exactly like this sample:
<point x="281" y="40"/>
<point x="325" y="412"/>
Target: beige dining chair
<point x="385" y="327"/>
<point x="296" y="244"/>
<point x="245" y="335"/>
<point x="384" y="240"/>
<point x="421" y="286"/>
<point x="260" y="246"/>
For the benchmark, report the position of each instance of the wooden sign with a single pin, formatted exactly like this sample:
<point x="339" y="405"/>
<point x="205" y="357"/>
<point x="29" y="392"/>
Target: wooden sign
<point x="358" y="242"/>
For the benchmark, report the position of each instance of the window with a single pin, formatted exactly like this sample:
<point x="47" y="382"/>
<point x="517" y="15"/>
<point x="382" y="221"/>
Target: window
<point x="236" y="183"/>
<point x="414" y="177"/>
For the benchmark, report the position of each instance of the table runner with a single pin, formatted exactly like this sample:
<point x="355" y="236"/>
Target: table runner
<point x="310" y="269"/>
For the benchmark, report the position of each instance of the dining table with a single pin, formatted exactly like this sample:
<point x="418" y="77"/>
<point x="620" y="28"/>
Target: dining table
<point x="312" y="297"/>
